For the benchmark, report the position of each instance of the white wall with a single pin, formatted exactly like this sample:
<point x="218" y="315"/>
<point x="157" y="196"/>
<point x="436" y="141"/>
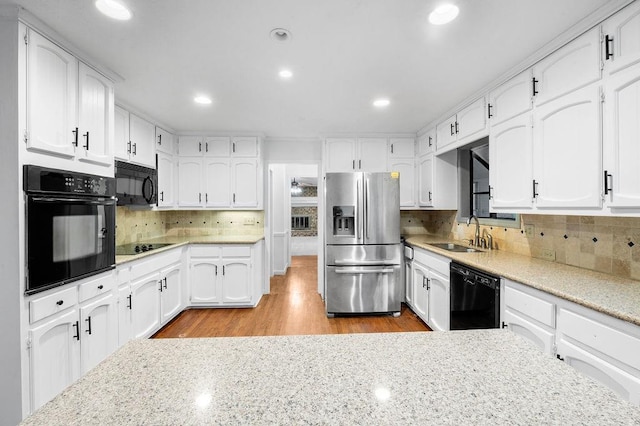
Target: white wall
<point x="11" y="286"/>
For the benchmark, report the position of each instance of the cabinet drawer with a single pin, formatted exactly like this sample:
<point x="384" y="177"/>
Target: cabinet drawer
<point x="45" y="306"/>
<point x="433" y="261"/>
<point x="123" y="274"/>
<point x="236" y="251"/>
<point x="154" y="263"/>
<point x="96" y="286"/>
<point x="205" y="250"/>
<point x="530" y="305"/>
<point x="604" y="338"/>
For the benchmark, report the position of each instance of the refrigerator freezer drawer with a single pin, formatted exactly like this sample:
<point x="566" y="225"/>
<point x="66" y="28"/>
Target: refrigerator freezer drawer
<point x="363" y="289"/>
<point x="364" y="255"/>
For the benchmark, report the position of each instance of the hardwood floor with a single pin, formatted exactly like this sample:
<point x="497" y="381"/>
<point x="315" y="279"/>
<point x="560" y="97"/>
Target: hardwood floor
<point x="293" y="307"/>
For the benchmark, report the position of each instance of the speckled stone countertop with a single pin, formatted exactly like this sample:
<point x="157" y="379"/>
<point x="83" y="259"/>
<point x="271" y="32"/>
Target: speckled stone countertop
<point x="459" y="377"/>
<point x="615" y="296"/>
<point x="180" y="241"/>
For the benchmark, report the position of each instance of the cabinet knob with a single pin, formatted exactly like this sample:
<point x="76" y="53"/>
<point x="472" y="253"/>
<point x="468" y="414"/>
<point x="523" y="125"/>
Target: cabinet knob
<point x="59" y="302"/>
<point x="100" y="287"/>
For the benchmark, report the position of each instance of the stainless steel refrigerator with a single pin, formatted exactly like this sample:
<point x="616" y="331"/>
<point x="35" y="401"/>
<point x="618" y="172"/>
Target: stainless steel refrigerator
<point x="363" y="253"/>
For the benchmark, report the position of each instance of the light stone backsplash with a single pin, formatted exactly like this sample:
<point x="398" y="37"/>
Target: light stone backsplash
<point x="605" y="244"/>
<point x="134" y="225"/>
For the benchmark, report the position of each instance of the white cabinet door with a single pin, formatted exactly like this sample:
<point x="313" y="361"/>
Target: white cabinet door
<point x="99" y="332"/>
<point x="518" y="323"/>
<point x="568" y="150"/>
<point x="573" y="66"/>
<point x="171" y="295"/>
<point x="121" y="140"/>
<point x="510" y="99"/>
<point x="166" y="179"/>
<point x="190" y="146"/>
<point x="402" y="147"/>
<point x="124" y="314"/>
<point x="204" y="280"/>
<point x="622" y="139"/>
<point x="446" y="133"/>
<point x="217" y="147"/>
<point x="164" y="141"/>
<point x="472" y="122"/>
<point x="52" y="82"/>
<point x="372" y="155"/>
<point x="245" y="183"/>
<point x="340" y="155"/>
<point x="439" y="303"/>
<point x="190" y="185"/>
<point x="145" y="301"/>
<point x="95" y="94"/>
<point x="142" y="135"/>
<point x="217" y="176"/>
<point x="408" y="284"/>
<point x="244" y="147"/>
<point x="55" y="357"/>
<point x="420" y="291"/>
<point x="425" y="181"/>
<point x="236" y="281"/>
<point x="406" y="168"/>
<point x="621" y="45"/>
<point x="427" y="143"/>
<point x="511" y="159"/>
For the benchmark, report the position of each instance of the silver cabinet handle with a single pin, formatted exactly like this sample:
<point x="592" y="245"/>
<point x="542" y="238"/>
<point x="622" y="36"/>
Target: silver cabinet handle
<point x="366" y="271"/>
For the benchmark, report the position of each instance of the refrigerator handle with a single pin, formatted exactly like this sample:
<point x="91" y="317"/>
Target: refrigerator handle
<point x="358" y="226"/>
<point x="366" y="208"/>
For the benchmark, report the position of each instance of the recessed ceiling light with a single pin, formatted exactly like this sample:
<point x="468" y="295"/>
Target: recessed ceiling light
<point x="444" y="14"/>
<point x="285" y="74"/>
<point x="280" y="34"/>
<point x="201" y="99"/>
<point x="381" y="103"/>
<point x="114" y="9"/>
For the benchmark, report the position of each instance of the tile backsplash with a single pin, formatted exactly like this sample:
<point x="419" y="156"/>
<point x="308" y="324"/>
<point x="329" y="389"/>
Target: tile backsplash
<point x="134" y="225"/>
<point x="605" y="244"/>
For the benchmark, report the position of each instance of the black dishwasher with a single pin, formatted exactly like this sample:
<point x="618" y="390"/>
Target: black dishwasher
<point x="475" y="299"/>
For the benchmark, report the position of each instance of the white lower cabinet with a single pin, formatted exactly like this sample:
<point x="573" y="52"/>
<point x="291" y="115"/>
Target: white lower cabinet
<point x="227" y="275"/>
<point x="149" y="294"/>
<point x="431" y="300"/>
<point x="598" y="345"/>
<point x="67" y="339"/>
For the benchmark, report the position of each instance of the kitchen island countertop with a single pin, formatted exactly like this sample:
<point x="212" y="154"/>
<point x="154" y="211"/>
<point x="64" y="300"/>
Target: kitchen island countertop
<point x="459" y="377"/>
<point x="615" y="296"/>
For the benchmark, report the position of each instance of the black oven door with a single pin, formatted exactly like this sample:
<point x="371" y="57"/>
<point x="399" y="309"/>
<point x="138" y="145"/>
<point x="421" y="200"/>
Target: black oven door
<point x="68" y="238"/>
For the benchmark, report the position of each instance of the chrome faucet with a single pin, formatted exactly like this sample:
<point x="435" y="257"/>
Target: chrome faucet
<point x="476" y="239"/>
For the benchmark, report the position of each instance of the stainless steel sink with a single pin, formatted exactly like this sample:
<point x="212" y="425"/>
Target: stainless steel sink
<point x="454" y="247"/>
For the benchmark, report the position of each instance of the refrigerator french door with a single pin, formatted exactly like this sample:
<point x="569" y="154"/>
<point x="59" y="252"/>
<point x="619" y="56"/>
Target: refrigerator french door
<point x="363" y="254"/>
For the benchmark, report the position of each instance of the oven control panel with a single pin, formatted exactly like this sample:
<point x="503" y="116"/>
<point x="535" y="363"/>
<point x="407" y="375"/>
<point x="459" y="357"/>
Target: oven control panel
<point x="44" y="180"/>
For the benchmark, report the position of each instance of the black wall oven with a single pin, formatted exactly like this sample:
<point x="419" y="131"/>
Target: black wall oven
<point x="70" y="226"/>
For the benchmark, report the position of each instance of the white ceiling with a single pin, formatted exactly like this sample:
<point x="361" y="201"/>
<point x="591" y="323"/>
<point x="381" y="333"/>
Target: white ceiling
<point x="343" y="53"/>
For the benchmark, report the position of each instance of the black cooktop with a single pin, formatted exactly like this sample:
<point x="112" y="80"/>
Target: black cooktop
<point x="137" y="248"/>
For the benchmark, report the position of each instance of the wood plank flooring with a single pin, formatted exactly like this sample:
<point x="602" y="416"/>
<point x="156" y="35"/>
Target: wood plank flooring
<point x="294" y="307"/>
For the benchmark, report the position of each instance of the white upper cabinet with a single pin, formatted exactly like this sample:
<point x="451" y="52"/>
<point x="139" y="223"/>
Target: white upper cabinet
<point x="217" y="178"/>
<point x="427" y="143"/>
<point x="245" y="183"/>
<point x="567" y="151"/>
<point x="406" y="168"/>
<point x="191" y="146"/>
<point x="356" y="155"/>
<point x="245" y="146"/>
<point x="569" y="68"/>
<point x="468" y="125"/>
<point x="510" y="99"/>
<point x="52" y="84"/>
<point x="621" y="177"/>
<point x="96" y="115"/>
<point x="402" y="148"/>
<point x="142" y="135"/>
<point x="121" y="144"/>
<point x="621" y="44"/>
<point x="190" y="182"/>
<point x="217" y="146"/>
<point x="164" y="141"/>
<point x="167" y="179"/>
<point x="511" y="159"/>
<point x="425" y="181"/>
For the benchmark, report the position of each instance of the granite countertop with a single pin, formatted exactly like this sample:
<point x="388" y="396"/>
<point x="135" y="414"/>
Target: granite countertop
<point x="615" y="296"/>
<point x="458" y="377"/>
<point x="181" y="241"/>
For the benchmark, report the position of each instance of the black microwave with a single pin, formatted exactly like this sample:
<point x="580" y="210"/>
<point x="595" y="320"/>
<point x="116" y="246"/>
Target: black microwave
<point x="136" y="185"/>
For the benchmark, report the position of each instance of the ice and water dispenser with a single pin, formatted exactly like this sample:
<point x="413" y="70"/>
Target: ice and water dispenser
<point x="344" y="221"/>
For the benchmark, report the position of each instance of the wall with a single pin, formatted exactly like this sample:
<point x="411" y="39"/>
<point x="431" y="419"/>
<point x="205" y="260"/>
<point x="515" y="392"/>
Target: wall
<point x="605" y="244"/>
<point x="138" y="225"/>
